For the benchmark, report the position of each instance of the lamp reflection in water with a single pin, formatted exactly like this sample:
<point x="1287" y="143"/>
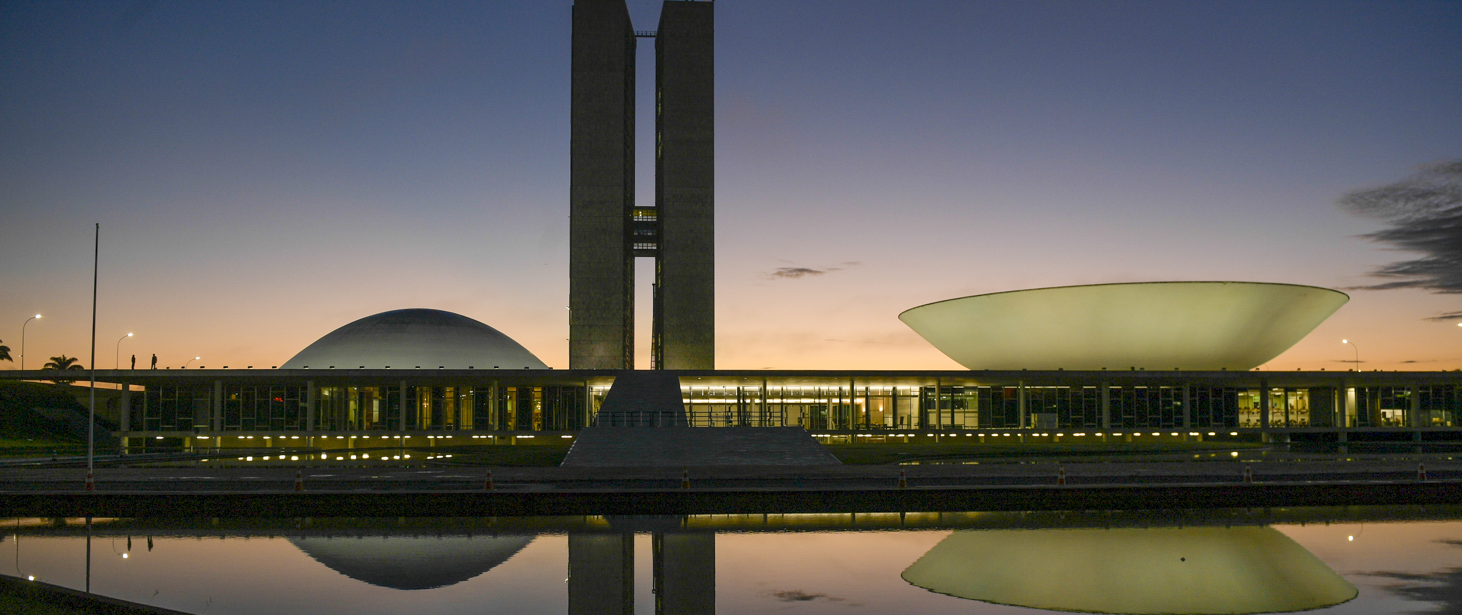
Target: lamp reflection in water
<point x="1160" y="570"/>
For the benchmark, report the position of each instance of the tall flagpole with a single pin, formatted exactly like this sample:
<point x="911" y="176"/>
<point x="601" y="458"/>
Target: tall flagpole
<point x="91" y="419"/>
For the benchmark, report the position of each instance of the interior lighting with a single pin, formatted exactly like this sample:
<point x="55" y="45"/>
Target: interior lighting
<point x="248" y="459"/>
<point x="1233" y="433"/>
<point x="1210" y="433"/>
<point x="159" y="437"/>
<point x="266" y="458"/>
<point x="339" y="458"/>
<point x="407" y="456"/>
<point x="1234" y="454"/>
<point x="291" y="458"/>
<point x="1158" y="434"/>
<point x="1176" y="433"/>
<point x="566" y="436"/>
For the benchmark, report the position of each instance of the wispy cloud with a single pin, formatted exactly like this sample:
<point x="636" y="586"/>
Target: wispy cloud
<point x="1425" y="216"/>
<point x="802" y="272"/>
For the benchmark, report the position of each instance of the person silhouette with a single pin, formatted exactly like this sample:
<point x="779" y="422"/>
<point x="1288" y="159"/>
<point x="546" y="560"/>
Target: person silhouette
<point x="154" y="361"/>
<point x="134" y="362"/>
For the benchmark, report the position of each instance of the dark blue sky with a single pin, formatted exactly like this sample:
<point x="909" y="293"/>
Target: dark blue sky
<point x="267" y="171"/>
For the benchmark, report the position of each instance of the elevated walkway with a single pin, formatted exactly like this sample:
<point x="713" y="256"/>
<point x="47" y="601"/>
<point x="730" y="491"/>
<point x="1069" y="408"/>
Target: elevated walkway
<point x="643" y="424"/>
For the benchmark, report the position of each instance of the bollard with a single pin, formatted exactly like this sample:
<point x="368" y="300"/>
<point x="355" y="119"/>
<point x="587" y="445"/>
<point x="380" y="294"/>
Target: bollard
<point x="487" y="486"/>
<point x="903" y="480"/>
<point x="1061" y="476"/>
<point x="685" y="478"/>
<point x="90" y="482"/>
<point x="1421" y="472"/>
<point x="1248" y="475"/>
<point x="299" y="480"/>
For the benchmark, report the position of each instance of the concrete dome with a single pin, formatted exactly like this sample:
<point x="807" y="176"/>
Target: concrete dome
<point x="406" y="339"/>
<point x="1152" y="325"/>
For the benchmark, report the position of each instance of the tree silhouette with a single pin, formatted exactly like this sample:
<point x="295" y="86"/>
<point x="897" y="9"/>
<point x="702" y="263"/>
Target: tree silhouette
<point x="5" y="352"/>
<point x="65" y="364"/>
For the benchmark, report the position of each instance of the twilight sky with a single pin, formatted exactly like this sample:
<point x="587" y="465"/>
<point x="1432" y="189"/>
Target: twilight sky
<point x="265" y="172"/>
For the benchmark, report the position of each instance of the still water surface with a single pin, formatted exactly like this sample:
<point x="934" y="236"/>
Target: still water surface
<point x="974" y="563"/>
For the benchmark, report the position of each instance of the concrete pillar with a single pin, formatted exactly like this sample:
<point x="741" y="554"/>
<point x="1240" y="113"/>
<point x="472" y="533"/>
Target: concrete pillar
<point x="217" y="406"/>
<point x="309" y="405"/>
<point x="601" y="574"/>
<point x="401" y="426"/>
<point x="1106" y="390"/>
<point x="1187" y="410"/>
<point x="124" y="411"/>
<point x="1020" y="405"/>
<point x="1416" y="420"/>
<point x="765" y="407"/>
<point x="1264" y="406"/>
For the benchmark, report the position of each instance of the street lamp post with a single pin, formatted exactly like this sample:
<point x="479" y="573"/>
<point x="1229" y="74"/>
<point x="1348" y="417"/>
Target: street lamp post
<point x="22" y="340"/>
<point x="117" y="355"/>
<point x="185" y="365"/>
<point x="1357" y="353"/>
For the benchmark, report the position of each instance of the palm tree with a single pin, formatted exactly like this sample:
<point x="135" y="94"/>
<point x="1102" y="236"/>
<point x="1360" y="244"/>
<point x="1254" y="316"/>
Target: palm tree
<point x="65" y="364"/>
<point x="5" y="352"/>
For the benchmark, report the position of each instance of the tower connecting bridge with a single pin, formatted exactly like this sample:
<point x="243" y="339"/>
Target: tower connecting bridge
<point x="607" y="229"/>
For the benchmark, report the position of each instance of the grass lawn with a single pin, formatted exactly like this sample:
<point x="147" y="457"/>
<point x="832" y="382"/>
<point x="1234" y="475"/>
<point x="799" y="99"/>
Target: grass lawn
<point x="21" y="605"/>
<point x="16" y="445"/>
<point x="866" y="454"/>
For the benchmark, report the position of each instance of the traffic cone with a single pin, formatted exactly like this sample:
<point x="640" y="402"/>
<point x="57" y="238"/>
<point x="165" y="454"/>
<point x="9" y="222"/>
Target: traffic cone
<point x="903" y="480"/>
<point x="488" y="485"/>
<point x="685" y="478"/>
<point x="1248" y="475"/>
<point x="1421" y="472"/>
<point x="299" y="480"/>
<point x="90" y="482"/>
<point x="1061" y="476"/>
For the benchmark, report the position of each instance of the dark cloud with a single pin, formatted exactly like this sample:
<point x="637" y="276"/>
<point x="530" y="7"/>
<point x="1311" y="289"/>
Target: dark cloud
<point x="796" y="272"/>
<point x="795" y="595"/>
<point x="1425" y="216"/>
<point x="802" y="272"/>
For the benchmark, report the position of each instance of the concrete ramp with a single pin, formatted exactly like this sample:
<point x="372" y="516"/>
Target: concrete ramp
<point x="696" y="446"/>
<point x="643" y="399"/>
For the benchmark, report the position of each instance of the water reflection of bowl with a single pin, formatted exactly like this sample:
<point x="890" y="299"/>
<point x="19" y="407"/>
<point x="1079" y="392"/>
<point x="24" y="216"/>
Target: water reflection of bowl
<point x="1161" y="570"/>
<point x="1155" y="325"/>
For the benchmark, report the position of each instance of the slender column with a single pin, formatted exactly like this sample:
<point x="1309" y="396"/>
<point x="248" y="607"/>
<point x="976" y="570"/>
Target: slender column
<point x="217" y="406"/>
<point x="309" y="405"/>
<point x="401" y="420"/>
<point x="1106" y="393"/>
<point x="1187" y="410"/>
<point x="938" y="403"/>
<point x="1416" y="421"/>
<point x="1264" y="406"/>
<point x="1020" y="404"/>
<point x="765" y="409"/>
<point x="124" y="411"/>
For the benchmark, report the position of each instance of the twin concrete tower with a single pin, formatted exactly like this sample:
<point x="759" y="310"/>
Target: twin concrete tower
<point x="607" y="230"/>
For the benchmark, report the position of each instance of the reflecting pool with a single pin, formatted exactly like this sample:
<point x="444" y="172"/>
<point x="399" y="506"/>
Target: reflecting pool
<point x="1342" y="560"/>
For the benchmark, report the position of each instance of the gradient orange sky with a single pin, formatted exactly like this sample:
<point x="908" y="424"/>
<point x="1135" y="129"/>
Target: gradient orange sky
<point x="264" y="174"/>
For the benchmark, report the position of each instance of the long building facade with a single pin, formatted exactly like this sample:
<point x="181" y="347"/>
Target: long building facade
<point x="607" y="229"/>
<point x="173" y="408"/>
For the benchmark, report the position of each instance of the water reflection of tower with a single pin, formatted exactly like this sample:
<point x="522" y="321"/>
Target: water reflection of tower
<point x="602" y="573"/>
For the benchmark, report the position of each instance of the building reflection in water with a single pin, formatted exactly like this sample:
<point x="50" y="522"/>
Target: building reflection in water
<point x="602" y="566"/>
<point x="1159" y="570"/>
<point x="401" y="562"/>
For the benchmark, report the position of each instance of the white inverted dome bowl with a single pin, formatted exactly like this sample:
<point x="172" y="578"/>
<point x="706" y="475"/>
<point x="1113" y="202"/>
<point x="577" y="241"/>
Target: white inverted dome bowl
<point x="1149" y="325"/>
<point x="406" y="339"/>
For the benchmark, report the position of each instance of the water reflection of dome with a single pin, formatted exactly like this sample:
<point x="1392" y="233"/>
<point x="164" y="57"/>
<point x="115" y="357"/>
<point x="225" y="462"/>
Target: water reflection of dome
<point x="415" y="338"/>
<point x="412" y="563"/>
<point x="1163" y="570"/>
